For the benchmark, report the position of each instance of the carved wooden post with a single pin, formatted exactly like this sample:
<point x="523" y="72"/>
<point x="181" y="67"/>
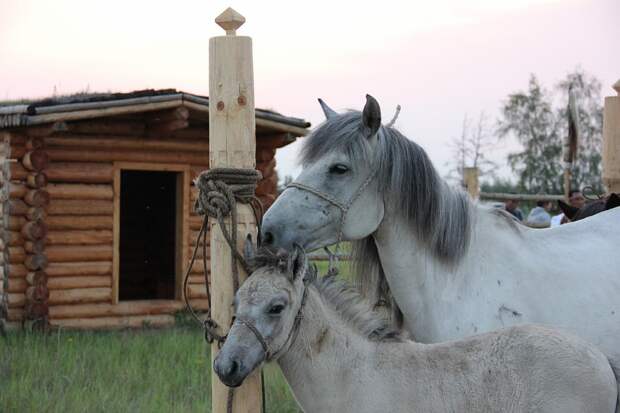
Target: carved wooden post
<point x="470" y="178"/>
<point x="611" y="141"/>
<point x="231" y="144"/>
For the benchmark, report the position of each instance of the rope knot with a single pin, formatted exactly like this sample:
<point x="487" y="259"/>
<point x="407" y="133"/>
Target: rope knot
<point x="219" y="188"/>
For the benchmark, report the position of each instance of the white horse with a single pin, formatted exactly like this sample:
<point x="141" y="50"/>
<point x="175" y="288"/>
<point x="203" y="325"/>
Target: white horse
<point x="339" y="356"/>
<point x="454" y="268"/>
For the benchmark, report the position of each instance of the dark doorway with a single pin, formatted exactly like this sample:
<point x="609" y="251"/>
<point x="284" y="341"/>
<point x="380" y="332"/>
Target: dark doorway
<point x="147" y="235"/>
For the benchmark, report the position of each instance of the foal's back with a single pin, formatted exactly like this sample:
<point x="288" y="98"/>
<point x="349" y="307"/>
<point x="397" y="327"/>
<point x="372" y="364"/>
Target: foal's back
<point x="526" y="368"/>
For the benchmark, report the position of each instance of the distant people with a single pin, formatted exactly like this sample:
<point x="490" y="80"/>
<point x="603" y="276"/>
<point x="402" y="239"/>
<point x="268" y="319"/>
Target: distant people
<point x="539" y="217"/>
<point x="576" y="200"/>
<point x="512" y="206"/>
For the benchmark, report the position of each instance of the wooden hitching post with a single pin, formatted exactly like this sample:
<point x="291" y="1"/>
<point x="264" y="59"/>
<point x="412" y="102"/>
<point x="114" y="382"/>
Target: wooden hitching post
<point x="470" y="176"/>
<point x="611" y="141"/>
<point x="231" y="144"/>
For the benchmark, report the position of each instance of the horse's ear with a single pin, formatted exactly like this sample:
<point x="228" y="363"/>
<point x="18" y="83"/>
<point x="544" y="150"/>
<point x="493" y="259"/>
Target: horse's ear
<point x="612" y="201"/>
<point x="297" y="262"/>
<point x="371" y="116"/>
<point x="329" y="112"/>
<point x="248" y="248"/>
<point x="568" y="210"/>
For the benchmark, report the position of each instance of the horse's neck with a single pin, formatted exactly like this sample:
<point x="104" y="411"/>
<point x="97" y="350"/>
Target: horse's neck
<point x="324" y="357"/>
<point x="417" y="276"/>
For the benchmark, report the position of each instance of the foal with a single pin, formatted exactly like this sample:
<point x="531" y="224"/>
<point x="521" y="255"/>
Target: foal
<point x="339" y="356"/>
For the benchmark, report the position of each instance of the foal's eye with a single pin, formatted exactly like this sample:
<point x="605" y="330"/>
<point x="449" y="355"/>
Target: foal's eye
<point x="276" y="309"/>
<point x="338" y="169"/>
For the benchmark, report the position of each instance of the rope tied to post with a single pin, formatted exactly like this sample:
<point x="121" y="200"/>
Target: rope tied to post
<point x="219" y="190"/>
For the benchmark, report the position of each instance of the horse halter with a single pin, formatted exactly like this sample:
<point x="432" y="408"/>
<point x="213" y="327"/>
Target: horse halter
<point x="292" y="335"/>
<point x="343" y="207"/>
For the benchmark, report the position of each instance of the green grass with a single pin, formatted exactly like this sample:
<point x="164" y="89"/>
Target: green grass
<point x="131" y="371"/>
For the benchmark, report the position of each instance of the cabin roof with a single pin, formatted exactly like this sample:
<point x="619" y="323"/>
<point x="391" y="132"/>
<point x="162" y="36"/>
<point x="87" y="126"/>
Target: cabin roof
<point x="84" y="106"/>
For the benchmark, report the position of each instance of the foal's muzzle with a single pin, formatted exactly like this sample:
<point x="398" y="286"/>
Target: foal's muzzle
<point x="230" y="369"/>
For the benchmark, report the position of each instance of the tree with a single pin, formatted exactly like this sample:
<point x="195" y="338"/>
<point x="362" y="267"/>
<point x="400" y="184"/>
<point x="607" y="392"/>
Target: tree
<point x="529" y="117"/>
<point x="471" y="149"/>
<point x="587" y="168"/>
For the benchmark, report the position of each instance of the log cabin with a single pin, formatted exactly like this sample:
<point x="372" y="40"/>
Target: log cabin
<point x="97" y="222"/>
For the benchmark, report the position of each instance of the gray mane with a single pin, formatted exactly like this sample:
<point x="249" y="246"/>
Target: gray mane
<point x="355" y="310"/>
<point x="439" y="215"/>
<point x="346" y="301"/>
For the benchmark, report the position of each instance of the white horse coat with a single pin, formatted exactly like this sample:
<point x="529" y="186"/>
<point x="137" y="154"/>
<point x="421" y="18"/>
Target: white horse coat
<point x="454" y="268"/>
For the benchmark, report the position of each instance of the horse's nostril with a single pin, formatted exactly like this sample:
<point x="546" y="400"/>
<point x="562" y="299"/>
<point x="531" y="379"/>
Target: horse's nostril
<point x="233" y="368"/>
<point x="268" y="238"/>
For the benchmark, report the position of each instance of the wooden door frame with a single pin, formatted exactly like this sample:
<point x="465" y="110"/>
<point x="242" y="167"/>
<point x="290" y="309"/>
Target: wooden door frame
<point x="182" y="220"/>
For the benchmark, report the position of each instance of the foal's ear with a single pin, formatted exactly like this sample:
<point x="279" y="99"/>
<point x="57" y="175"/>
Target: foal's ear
<point x="329" y="112"/>
<point x="248" y="248"/>
<point x="568" y="210"/>
<point x="612" y="202"/>
<point x="297" y="262"/>
<point x="371" y="116"/>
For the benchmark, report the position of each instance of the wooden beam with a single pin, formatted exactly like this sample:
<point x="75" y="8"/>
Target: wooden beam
<point x="81" y="207"/>
<point x="80" y="237"/>
<point x="80" y="191"/>
<point x="64" y="269"/>
<point x="124" y="308"/>
<point x="78" y="172"/>
<point x="107" y="127"/>
<point x="115" y="323"/>
<point x="611" y="141"/>
<point x="232" y="143"/>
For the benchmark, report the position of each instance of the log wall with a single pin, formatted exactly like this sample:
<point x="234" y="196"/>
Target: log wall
<point x="4" y="219"/>
<point x="58" y="222"/>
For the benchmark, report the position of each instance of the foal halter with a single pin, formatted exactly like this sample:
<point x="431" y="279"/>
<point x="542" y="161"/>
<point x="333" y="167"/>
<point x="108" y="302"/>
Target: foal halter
<point x="292" y="335"/>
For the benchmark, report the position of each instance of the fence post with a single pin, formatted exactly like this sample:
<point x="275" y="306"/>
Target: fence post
<point x="470" y="178"/>
<point x="232" y="143"/>
<point x="611" y="141"/>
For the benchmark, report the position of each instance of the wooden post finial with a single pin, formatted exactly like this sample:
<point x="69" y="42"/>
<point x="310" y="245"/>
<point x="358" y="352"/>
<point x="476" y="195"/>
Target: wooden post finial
<point x="616" y="87"/>
<point x="230" y="21"/>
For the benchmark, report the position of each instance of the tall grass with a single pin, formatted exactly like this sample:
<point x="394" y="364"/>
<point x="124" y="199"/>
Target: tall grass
<point x="141" y="371"/>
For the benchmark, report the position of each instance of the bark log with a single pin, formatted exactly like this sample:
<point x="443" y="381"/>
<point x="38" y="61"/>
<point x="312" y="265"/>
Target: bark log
<point x="89" y="173"/>
<point x="18" y="207"/>
<point x="65" y="269"/>
<point x="111" y="154"/>
<point x="17" y="271"/>
<point x="36" y="214"/>
<point x="36" y="262"/>
<point x="34" y="230"/>
<point x="16" y="300"/>
<point x="36" y="277"/>
<point x="36" y="180"/>
<point x="17" y="255"/>
<point x="17" y="285"/>
<point x="59" y="222"/>
<point x="81" y="207"/>
<point x="115" y="323"/>
<point x="37" y="198"/>
<point x="36" y="160"/>
<point x="38" y="293"/>
<point x="14" y="238"/>
<point x="80" y="237"/>
<point x="36" y="310"/>
<point x="64" y="283"/>
<point x="126" y="308"/>
<point x="80" y="191"/>
<point x="73" y="253"/>
<point x="80" y="295"/>
<point x="34" y="247"/>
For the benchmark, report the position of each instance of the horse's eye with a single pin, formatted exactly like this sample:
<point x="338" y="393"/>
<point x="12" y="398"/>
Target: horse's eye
<point x="276" y="309"/>
<point x="338" y="169"/>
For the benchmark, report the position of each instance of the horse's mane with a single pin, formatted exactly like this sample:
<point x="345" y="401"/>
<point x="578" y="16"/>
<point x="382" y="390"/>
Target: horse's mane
<point x="440" y="216"/>
<point x="354" y="309"/>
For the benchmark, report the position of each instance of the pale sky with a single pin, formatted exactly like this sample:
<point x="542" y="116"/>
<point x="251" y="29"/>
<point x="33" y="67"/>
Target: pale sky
<point x="438" y="59"/>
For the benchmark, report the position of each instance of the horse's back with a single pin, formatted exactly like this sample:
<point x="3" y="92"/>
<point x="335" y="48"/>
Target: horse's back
<point x="545" y="370"/>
